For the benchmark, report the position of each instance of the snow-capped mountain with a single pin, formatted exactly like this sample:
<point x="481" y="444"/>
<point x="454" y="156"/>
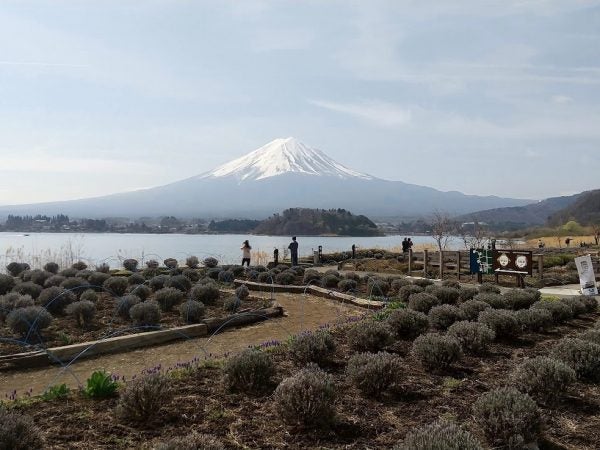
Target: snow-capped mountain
<point x="283" y="156"/>
<point x="282" y="174"/>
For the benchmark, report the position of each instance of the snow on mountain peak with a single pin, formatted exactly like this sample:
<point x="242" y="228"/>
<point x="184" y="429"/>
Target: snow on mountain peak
<point x="283" y="156"/>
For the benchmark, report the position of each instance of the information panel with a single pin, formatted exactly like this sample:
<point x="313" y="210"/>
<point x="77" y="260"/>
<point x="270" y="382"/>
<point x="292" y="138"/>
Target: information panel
<point x="513" y="261"/>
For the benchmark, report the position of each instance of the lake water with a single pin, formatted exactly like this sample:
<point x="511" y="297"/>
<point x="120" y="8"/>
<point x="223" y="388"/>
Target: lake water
<point x="112" y="248"/>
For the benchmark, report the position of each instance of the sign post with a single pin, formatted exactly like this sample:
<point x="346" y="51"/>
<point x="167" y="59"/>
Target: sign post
<point x="587" y="279"/>
<point x="513" y="262"/>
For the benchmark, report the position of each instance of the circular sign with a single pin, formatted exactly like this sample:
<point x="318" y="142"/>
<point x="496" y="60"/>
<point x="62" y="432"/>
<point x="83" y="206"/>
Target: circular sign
<point x="503" y="260"/>
<point x="521" y="262"/>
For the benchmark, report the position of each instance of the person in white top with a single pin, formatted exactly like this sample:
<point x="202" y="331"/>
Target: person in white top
<point x="246" y="253"/>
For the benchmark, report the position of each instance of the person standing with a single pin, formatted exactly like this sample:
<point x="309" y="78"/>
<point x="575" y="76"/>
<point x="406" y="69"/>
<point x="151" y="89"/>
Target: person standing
<point x="293" y="247"/>
<point x="410" y="243"/>
<point x="245" y="248"/>
<point x="405" y="245"/>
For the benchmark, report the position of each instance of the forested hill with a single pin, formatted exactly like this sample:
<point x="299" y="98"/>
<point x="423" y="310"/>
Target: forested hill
<point x="585" y="210"/>
<point x="305" y="221"/>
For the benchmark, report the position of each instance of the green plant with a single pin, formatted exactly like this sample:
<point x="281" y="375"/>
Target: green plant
<point x="534" y="319"/>
<point x="406" y="291"/>
<point x="18" y="432"/>
<point x="329" y="280"/>
<point x="443" y="316"/>
<point x="581" y="356"/>
<point x="89" y="295"/>
<point x="489" y="287"/>
<point x="474" y="337"/>
<point x="575" y="304"/>
<point x="54" y="280"/>
<point x="347" y="285"/>
<point x="97" y="279"/>
<point x="168" y="297"/>
<point x="472" y="308"/>
<point x="28" y="321"/>
<point x="397" y="283"/>
<point x="440" y="435"/>
<point x="560" y="311"/>
<point x="543" y="378"/>
<point x="192" y="311"/>
<point x="373" y="373"/>
<point x="407" y="323"/>
<point x="145" y="314"/>
<point x="28" y="288"/>
<point x="191" y="274"/>
<point x="493" y="299"/>
<point x="286" y="277"/>
<point x="157" y="282"/>
<point x="143" y="398"/>
<point x="100" y="385"/>
<point x="135" y="279"/>
<point x="519" y="299"/>
<point x="141" y="290"/>
<point x="310" y="347"/>
<point x="207" y="293"/>
<point x="125" y="303"/>
<point x="503" y="322"/>
<point x="446" y="294"/>
<point x="56" y="299"/>
<point x="83" y="311"/>
<point x="116" y="286"/>
<point x="369" y="336"/>
<point x="423" y="282"/>
<point x="436" y="351"/>
<point x="57" y="391"/>
<point x="467" y="293"/>
<point x="179" y="282"/>
<point x="306" y="398"/>
<point x="249" y="371"/>
<point x="311" y="275"/>
<point x="508" y="417"/>
<point x="422" y="301"/>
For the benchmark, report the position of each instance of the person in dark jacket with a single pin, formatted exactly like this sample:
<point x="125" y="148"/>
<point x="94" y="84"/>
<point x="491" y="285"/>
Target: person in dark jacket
<point x="293" y="247"/>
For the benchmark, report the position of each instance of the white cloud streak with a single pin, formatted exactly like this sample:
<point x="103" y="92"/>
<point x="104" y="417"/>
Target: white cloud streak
<point x="379" y="113"/>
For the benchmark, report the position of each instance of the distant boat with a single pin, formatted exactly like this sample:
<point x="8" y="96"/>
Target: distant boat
<point x="25" y="235"/>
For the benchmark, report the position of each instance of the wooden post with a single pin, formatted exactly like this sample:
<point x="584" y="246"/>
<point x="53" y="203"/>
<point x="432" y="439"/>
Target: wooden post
<point x="540" y="259"/>
<point x="410" y="261"/>
<point x="441" y="264"/>
<point x="458" y="265"/>
<point x="425" y="261"/>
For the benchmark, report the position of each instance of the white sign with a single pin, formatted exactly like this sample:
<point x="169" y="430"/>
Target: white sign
<point x="587" y="279"/>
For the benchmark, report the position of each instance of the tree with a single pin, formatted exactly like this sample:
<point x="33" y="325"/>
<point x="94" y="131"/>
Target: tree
<point x="596" y="231"/>
<point x="442" y="228"/>
<point x="473" y="235"/>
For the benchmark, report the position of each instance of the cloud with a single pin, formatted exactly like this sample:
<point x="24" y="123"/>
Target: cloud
<point x="380" y="113"/>
<point x="561" y="99"/>
<point x="53" y="164"/>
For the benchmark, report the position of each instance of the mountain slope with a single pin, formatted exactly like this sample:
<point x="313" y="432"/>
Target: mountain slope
<point x="280" y="175"/>
<point x="585" y="210"/>
<point x="521" y="216"/>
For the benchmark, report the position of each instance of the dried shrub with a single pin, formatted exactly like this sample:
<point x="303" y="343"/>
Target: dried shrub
<point x="145" y="314"/>
<point x="590" y="303"/>
<point x="192" y="311"/>
<point x="446" y="295"/>
<point x="252" y="275"/>
<point x="12" y="301"/>
<point x="54" y="280"/>
<point x="211" y="262"/>
<point x="503" y="322"/>
<point x="306" y="398"/>
<point x="436" y="351"/>
<point x="191" y="274"/>
<point x="39" y="276"/>
<point x="406" y="291"/>
<point x="192" y="441"/>
<point x="15" y="268"/>
<point x="265" y="277"/>
<point x="472" y="308"/>
<point x="351" y="276"/>
<point x="440" y="435"/>
<point x="369" y="336"/>
<point x="69" y="272"/>
<point x="581" y="356"/>
<point x="310" y="347"/>
<point x="378" y="287"/>
<point x="286" y="277"/>
<point x="489" y="287"/>
<point x="51" y="267"/>
<point x="423" y="282"/>
<point x="422" y="302"/>
<point x="84" y="274"/>
<point x="249" y="371"/>
<point x="158" y="282"/>
<point x="104" y="268"/>
<point x="242" y="292"/>
<point x="311" y="275"/>
<point x="97" y="279"/>
<point x="79" y="265"/>
<point x="83" y="311"/>
<point x="55" y="299"/>
<point x="7" y="282"/>
<point x="76" y="285"/>
<point x="443" y="316"/>
<point x="179" y="282"/>
<point x="519" y="299"/>
<point x="508" y="417"/>
<point x="135" y="278"/>
<point x="131" y="264"/>
<point x="116" y="286"/>
<point x="543" y="378"/>
<point x="207" y="293"/>
<point x="496" y="301"/>
<point x="575" y="304"/>
<point x="226" y="276"/>
<point x="407" y="323"/>
<point x="397" y="283"/>
<point x="373" y="373"/>
<point x="168" y="297"/>
<point x="170" y="263"/>
<point x="28" y="288"/>
<point x="143" y="398"/>
<point x="347" y="285"/>
<point x="152" y="264"/>
<point x="467" y="293"/>
<point x="474" y="337"/>
<point x="28" y="321"/>
<point x="560" y="311"/>
<point x="232" y="304"/>
<point x="534" y="319"/>
<point x="141" y="290"/>
<point x="19" y="432"/>
<point x="591" y="336"/>
<point x="125" y="303"/>
<point x="329" y="280"/>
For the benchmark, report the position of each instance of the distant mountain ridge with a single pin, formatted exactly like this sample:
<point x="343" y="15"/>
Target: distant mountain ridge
<point x="282" y="174"/>
<point x="585" y="210"/>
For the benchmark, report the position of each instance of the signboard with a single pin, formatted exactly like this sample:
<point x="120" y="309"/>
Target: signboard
<point x="587" y="279"/>
<point x="513" y="261"/>
<point x="481" y="261"/>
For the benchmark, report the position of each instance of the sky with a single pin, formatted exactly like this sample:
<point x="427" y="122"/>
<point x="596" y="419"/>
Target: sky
<point x="488" y="97"/>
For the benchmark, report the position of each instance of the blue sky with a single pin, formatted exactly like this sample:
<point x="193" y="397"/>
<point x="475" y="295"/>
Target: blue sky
<point x="481" y="96"/>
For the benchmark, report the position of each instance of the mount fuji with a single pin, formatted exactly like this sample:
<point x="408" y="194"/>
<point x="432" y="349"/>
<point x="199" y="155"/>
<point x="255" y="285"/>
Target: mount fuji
<point x="282" y="174"/>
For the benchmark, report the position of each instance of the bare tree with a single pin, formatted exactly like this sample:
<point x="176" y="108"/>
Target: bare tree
<point x="442" y="228"/>
<point x="596" y="231"/>
<point x="472" y="238"/>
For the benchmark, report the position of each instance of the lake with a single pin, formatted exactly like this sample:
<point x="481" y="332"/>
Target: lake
<point x="112" y="248"/>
